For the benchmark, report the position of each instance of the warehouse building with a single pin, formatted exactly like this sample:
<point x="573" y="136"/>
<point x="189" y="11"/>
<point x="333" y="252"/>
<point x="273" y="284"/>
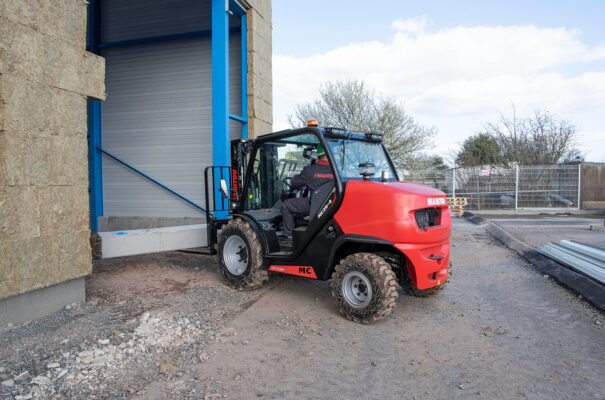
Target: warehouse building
<point x="110" y="110"/>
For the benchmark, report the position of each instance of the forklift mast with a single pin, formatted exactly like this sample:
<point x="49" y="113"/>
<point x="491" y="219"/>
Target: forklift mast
<point x="218" y="208"/>
<point x="240" y="151"/>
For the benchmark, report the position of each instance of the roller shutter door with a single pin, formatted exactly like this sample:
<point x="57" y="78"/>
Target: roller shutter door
<point x="157" y="116"/>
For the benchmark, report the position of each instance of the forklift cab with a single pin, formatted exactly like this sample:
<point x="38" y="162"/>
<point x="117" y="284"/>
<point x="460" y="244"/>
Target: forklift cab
<point x="264" y="167"/>
<point x="273" y="167"/>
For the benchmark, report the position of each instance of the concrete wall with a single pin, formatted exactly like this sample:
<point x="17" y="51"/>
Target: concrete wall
<point x="260" y="81"/>
<point x="592" y="187"/>
<point x="45" y="78"/>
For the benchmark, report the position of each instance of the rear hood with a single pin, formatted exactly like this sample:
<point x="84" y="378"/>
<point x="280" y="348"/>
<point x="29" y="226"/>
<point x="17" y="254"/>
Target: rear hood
<point x="414" y="188"/>
<point x="386" y="210"/>
<point x="416" y="195"/>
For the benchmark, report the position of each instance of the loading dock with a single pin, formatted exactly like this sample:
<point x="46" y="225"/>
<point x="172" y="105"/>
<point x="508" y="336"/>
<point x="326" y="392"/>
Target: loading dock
<point x="176" y="83"/>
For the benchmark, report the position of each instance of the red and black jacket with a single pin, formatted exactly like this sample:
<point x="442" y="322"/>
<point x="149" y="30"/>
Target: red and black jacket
<point x="313" y="176"/>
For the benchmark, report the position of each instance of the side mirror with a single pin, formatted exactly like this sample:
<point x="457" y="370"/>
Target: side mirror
<point x="224" y="189"/>
<point x="310" y="154"/>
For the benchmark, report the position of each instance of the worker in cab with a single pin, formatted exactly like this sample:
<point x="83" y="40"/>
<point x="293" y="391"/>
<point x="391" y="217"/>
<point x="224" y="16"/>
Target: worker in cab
<point x="312" y="176"/>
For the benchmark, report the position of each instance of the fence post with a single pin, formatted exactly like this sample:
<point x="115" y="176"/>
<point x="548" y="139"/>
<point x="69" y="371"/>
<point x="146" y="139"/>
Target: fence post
<point x="454" y="182"/>
<point x="517" y="187"/>
<point x="478" y="175"/>
<point x="579" y="183"/>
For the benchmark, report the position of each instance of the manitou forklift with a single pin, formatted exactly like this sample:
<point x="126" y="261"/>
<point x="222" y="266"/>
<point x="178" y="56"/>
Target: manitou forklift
<point x="366" y="231"/>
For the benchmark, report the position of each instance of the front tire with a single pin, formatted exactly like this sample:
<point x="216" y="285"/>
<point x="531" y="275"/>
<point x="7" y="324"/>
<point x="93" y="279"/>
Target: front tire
<point x="240" y="256"/>
<point x="365" y="287"/>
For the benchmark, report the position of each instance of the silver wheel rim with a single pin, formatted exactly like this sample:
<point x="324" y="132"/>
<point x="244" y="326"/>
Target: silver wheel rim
<point x="235" y="255"/>
<point x="357" y="289"/>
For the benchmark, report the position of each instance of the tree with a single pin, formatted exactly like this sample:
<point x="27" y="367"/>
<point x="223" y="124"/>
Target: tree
<point x="541" y="139"/>
<point x="480" y="149"/>
<point x="352" y="106"/>
<point x="426" y="162"/>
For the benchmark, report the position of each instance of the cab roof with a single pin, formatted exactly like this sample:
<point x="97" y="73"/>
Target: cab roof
<point x="327" y="132"/>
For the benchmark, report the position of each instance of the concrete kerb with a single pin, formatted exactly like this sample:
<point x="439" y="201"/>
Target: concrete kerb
<point x="592" y="291"/>
<point x="540" y="211"/>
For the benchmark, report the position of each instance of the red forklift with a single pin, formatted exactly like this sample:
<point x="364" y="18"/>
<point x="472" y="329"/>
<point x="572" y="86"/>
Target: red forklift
<point x="366" y="231"/>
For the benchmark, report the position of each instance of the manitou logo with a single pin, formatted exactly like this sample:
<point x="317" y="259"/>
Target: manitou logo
<point x="234" y="183"/>
<point x="435" y="201"/>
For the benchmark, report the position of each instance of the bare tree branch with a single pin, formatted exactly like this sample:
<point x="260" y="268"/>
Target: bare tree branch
<point x="350" y="105"/>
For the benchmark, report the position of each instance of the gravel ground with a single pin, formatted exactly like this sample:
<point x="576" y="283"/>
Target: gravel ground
<point x="164" y="327"/>
<point x="144" y="316"/>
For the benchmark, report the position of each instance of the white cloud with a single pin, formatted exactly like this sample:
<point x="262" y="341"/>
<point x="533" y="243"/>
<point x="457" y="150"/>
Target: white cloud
<point x="459" y="77"/>
<point x="412" y="25"/>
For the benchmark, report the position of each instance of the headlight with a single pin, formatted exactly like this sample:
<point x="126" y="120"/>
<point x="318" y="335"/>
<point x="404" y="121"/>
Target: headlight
<point x="428" y="217"/>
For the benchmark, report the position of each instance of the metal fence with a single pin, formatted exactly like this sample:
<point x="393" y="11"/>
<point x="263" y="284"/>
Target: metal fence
<point x="521" y="187"/>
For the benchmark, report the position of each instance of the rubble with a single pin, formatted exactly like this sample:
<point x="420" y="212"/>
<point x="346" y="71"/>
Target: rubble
<point x="109" y="355"/>
<point x="23" y="376"/>
<point x="8" y="383"/>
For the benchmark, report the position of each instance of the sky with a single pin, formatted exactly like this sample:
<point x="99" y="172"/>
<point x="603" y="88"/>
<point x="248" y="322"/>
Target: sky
<point x="454" y="64"/>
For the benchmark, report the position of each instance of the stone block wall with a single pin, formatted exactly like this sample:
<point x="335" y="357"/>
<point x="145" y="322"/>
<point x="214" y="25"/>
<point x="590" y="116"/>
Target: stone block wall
<point x="46" y="77"/>
<point x="260" y="81"/>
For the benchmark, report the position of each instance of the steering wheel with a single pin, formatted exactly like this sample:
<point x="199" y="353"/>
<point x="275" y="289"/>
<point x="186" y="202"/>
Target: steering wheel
<point x="287" y="180"/>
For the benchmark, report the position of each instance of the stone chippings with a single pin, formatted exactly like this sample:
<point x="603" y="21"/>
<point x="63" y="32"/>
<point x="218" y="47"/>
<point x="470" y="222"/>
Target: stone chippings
<point x="89" y="351"/>
<point x="46" y="77"/>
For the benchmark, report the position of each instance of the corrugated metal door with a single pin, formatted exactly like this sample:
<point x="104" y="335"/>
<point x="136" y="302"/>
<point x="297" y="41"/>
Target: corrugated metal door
<point x="157" y="116"/>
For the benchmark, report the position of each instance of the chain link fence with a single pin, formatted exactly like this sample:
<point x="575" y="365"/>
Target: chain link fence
<point x="491" y="188"/>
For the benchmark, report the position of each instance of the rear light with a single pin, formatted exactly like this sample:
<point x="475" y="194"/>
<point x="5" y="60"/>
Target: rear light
<point x="428" y="217"/>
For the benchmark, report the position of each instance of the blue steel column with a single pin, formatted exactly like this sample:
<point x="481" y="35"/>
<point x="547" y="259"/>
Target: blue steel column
<point x="220" y="91"/>
<point x="94" y="127"/>
<point x="244" y="32"/>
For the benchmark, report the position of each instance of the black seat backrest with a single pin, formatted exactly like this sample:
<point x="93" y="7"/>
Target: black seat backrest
<point x="318" y="197"/>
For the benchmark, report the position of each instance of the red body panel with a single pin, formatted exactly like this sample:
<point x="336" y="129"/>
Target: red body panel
<point x="299" y="270"/>
<point x="386" y="211"/>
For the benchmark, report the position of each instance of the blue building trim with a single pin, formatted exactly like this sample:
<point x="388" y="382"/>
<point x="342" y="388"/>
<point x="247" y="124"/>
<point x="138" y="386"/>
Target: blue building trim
<point x="220" y="91"/>
<point x="236" y="118"/>
<point x="95" y="163"/>
<point x="94" y="127"/>
<point x="244" y="33"/>
<point x="116" y="159"/>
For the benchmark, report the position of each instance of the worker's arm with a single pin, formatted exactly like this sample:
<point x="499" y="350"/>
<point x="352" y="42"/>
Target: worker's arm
<point x="299" y="181"/>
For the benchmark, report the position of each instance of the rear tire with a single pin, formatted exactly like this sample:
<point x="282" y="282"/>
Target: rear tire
<point x="365" y="287"/>
<point x="240" y="256"/>
<point x="406" y="284"/>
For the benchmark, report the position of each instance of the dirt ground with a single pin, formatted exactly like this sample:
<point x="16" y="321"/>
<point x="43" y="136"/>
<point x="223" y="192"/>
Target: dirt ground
<point x="165" y="327"/>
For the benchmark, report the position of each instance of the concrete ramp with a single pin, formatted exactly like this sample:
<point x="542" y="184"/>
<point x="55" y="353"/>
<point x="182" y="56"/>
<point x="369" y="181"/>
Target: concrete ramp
<point x="141" y="241"/>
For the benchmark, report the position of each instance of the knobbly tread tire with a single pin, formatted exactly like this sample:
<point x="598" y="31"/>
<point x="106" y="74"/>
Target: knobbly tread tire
<point x="384" y="287"/>
<point x="406" y="283"/>
<point x="256" y="274"/>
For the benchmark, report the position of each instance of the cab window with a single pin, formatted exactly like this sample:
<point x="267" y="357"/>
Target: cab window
<point x="274" y="165"/>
